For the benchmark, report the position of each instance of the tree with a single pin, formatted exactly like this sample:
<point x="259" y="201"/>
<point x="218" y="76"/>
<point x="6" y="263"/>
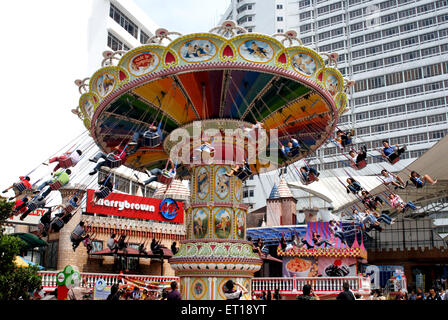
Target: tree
<point x="5" y="211"/>
<point x="15" y="282"/>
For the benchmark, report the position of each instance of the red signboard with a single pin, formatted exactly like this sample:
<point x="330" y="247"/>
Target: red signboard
<point x="125" y="205"/>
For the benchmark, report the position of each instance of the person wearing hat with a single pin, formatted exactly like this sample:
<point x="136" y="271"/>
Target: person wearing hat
<point x="231" y="293"/>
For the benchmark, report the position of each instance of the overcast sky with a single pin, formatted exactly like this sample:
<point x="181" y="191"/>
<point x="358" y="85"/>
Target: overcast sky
<point x="186" y="16"/>
<point x="40" y="58"/>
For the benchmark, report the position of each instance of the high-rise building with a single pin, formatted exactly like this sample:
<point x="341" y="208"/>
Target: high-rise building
<point x="395" y="50"/>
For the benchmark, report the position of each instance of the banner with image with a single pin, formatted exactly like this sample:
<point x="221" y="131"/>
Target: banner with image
<point x="336" y="267"/>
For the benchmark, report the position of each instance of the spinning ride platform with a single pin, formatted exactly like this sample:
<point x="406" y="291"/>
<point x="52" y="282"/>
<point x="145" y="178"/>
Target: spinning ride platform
<point x="221" y="81"/>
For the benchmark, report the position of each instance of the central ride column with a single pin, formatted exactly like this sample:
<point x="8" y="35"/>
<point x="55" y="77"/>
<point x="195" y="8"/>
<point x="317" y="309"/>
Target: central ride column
<point x="216" y="250"/>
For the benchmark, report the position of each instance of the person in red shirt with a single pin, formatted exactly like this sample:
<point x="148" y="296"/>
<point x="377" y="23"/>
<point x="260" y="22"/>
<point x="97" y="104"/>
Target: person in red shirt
<point x="19" y="187"/>
<point x="118" y="153"/>
<point x="20" y="206"/>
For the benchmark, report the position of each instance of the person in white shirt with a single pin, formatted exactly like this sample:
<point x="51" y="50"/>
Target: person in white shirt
<point x="74" y="156"/>
<point x="390" y="178"/>
<point x="231" y="293"/>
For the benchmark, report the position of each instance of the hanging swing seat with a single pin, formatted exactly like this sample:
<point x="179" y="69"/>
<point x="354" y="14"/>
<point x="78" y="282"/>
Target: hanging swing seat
<point x="56" y="185"/>
<point x="311" y="179"/>
<point x="103" y="192"/>
<point x="19" y="187"/>
<point x="166" y="177"/>
<point x="393" y="158"/>
<point x="65" y="162"/>
<point x="58" y="223"/>
<point x="113" y="161"/>
<point x="244" y="173"/>
<point x="151" y="139"/>
<point x="32" y="206"/>
<point x="360" y="165"/>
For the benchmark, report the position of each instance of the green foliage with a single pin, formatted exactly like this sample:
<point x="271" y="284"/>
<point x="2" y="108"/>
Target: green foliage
<point x="15" y="282"/>
<point x="5" y="210"/>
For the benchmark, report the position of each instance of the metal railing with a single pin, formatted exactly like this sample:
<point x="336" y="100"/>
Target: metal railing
<point x="286" y="286"/>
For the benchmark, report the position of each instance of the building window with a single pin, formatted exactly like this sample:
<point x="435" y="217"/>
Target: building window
<point x="442" y="18"/>
<point x="361" y="101"/>
<point x="362" y="116"/>
<point x="408" y="27"/>
<point x="337" y="32"/>
<point x="430" y="51"/>
<point x="323" y="23"/>
<point x="357" y="26"/>
<point x="407" y="13"/>
<point x="435" y="86"/>
<point x="432" y="70"/>
<point x="412" y="74"/>
<point x="305" y="15"/>
<point x="438" y="118"/>
<point x="279" y="6"/>
<point x="379" y="128"/>
<point x="397" y="109"/>
<point x="279" y="18"/>
<point x="437" y="135"/>
<point x="379" y="97"/>
<point x="415" y="106"/>
<point x="373" y="36"/>
<point x="361" y="85"/>
<point x="427" y="22"/>
<point x="418" y="137"/>
<point x="114" y="43"/>
<point x="357" y="40"/>
<point x="391" y="45"/>
<point x="278" y="31"/>
<point x="143" y="37"/>
<point x="390" y="32"/>
<point x="337" y="19"/>
<point x="337" y="45"/>
<point x="304" y="3"/>
<point x="391" y="95"/>
<point x="379" y="113"/>
<point x="397" y="125"/>
<point x="416" y="122"/>
<point x="374" y="64"/>
<point x="325" y="48"/>
<point x="359" y="68"/>
<point x="394" y="78"/>
<point x="305" y="28"/>
<point x="443" y="33"/>
<point x="358" y="54"/>
<point x="324" y="35"/>
<point x="425" y="8"/>
<point x="428" y="36"/>
<point x="355" y="13"/>
<point x="414" y="90"/>
<point x="392" y="60"/>
<point x="411" y="55"/>
<point x="389" y="18"/>
<point x="399" y="140"/>
<point x="376" y="82"/>
<point x="124" y="21"/>
<point x="363" y="130"/>
<point x="434" y="103"/>
<point x="441" y="3"/>
<point x="374" y="50"/>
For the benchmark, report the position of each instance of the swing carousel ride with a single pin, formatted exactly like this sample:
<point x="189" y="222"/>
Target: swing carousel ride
<point x="226" y="80"/>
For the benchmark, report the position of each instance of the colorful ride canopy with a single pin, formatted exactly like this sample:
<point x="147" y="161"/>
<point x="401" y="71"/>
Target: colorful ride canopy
<point x="246" y="77"/>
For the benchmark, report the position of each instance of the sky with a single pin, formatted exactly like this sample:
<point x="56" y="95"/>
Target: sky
<point x="188" y="16"/>
<point x="40" y="59"/>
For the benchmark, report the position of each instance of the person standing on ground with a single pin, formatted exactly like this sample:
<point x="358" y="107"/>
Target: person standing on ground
<point x="307" y="293"/>
<point x="231" y="293"/>
<point x="174" y="294"/>
<point x="346" y="294"/>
